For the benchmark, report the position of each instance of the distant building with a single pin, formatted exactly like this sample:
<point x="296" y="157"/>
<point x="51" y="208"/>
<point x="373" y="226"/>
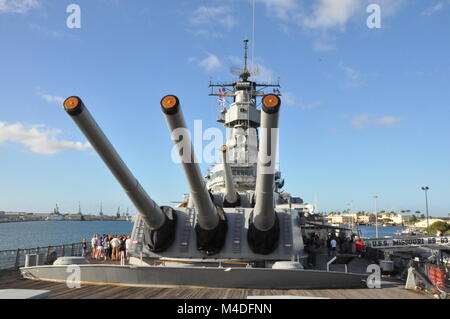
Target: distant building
<point x="365" y="219"/>
<point x="398" y="219"/>
<point x="423" y="222"/>
<point x="300" y="206"/>
<point x="3" y="217"/>
<point x="341" y="219"/>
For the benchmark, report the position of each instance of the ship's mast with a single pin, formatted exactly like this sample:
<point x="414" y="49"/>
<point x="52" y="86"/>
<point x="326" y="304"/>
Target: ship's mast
<point x="242" y="118"/>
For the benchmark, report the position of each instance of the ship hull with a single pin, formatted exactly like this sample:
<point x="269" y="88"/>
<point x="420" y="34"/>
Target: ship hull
<point x="163" y="276"/>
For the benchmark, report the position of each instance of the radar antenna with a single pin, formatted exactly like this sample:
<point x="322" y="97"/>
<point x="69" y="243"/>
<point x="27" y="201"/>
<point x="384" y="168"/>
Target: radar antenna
<point x="245" y="72"/>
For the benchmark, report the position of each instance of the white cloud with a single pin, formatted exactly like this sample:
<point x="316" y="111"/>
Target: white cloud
<point x="213" y="17"/>
<point x="387" y="120"/>
<point x="38" y="139"/>
<point x="18" y="6"/>
<point x="290" y="99"/>
<point x="263" y="73"/>
<point x="48" y="32"/>
<point x="206" y="33"/>
<point x="388" y="7"/>
<point x="332" y="13"/>
<point x="236" y="60"/>
<point x="360" y="121"/>
<point x="352" y="77"/>
<point x="323" y="44"/>
<point x="431" y="10"/>
<point x="210" y="63"/>
<point x="363" y="121"/>
<point x="52" y="98"/>
<point x="320" y="18"/>
<point x="281" y="9"/>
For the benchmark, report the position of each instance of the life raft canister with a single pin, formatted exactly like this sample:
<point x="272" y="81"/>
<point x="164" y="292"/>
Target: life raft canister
<point x="437" y="276"/>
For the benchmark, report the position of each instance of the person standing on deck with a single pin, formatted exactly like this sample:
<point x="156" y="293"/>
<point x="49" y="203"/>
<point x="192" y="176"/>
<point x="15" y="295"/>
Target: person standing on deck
<point x="333" y="245"/>
<point x="115" y="244"/>
<point x="83" y="247"/>
<point x="122" y="250"/>
<point x="329" y="245"/>
<point x="94" y="246"/>
<point x="127" y="246"/>
<point x="110" y="247"/>
<point x="99" y="248"/>
<point x="106" y="247"/>
<point x="359" y="248"/>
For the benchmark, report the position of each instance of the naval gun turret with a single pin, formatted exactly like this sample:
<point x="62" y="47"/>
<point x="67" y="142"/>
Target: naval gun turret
<point x="232" y="215"/>
<point x="235" y="220"/>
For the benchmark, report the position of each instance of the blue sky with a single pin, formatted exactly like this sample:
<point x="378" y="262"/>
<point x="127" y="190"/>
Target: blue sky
<point x="365" y="111"/>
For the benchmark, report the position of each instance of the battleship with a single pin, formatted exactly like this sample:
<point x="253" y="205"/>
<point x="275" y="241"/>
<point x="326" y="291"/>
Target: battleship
<point x="235" y="228"/>
<point x="56" y="215"/>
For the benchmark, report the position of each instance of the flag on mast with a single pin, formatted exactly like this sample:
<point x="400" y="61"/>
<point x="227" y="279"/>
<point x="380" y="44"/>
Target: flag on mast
<point x="221" y="98"/>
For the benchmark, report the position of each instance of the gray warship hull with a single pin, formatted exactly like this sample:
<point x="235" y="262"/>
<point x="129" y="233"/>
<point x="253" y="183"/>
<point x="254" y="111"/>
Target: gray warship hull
<point x="213" y="277"/>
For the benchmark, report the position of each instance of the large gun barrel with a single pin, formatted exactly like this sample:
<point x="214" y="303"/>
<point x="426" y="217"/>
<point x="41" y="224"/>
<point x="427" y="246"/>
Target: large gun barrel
<point x="211" y="222"/>
<point x="264" y="230"/>
<point x="153" y="215"/>
<point x="231" y="198"/>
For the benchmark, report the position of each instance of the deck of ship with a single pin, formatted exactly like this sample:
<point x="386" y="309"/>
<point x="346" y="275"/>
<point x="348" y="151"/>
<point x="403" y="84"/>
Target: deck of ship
<point x="11" y="280"/>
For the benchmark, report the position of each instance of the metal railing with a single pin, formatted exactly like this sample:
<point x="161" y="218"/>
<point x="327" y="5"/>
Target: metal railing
<point x="13" y="259"/>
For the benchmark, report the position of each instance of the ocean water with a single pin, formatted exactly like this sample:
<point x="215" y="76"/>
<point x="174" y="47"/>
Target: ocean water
<point x="49" y="233"/>
<point x="42" y="234"/>
<point x="369" y="231"/>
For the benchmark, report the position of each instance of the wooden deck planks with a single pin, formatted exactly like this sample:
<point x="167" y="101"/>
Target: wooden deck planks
<point x="11" y="279"/>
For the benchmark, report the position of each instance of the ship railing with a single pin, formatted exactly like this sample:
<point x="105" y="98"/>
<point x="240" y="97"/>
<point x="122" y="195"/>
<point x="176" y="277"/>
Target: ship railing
<point x="13" y="259"/>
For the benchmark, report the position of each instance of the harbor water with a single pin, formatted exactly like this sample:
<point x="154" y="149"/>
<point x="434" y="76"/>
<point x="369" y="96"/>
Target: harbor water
<point x="388" y="231"/>
<point x="49" y="233"/>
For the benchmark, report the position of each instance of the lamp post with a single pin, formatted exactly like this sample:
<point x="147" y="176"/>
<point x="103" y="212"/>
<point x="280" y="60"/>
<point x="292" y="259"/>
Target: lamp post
<point x="350" y="212"/>
<point x="376" y="216"/>
<point x="425" y="189"/>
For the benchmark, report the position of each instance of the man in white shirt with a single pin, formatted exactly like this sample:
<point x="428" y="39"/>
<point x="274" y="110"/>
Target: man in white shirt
<point x="333" y="244"/>
<point x="127" y="245"/>
<point x="115" y="244"/>
<point x="93" y="245"/>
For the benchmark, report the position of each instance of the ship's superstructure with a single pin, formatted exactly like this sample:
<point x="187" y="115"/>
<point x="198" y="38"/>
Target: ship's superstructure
<point x="242" y="119"/>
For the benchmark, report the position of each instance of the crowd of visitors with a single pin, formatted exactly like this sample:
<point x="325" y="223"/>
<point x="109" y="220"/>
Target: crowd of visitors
<point x="334" y="244"/>
<point x="108" y="247"/>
